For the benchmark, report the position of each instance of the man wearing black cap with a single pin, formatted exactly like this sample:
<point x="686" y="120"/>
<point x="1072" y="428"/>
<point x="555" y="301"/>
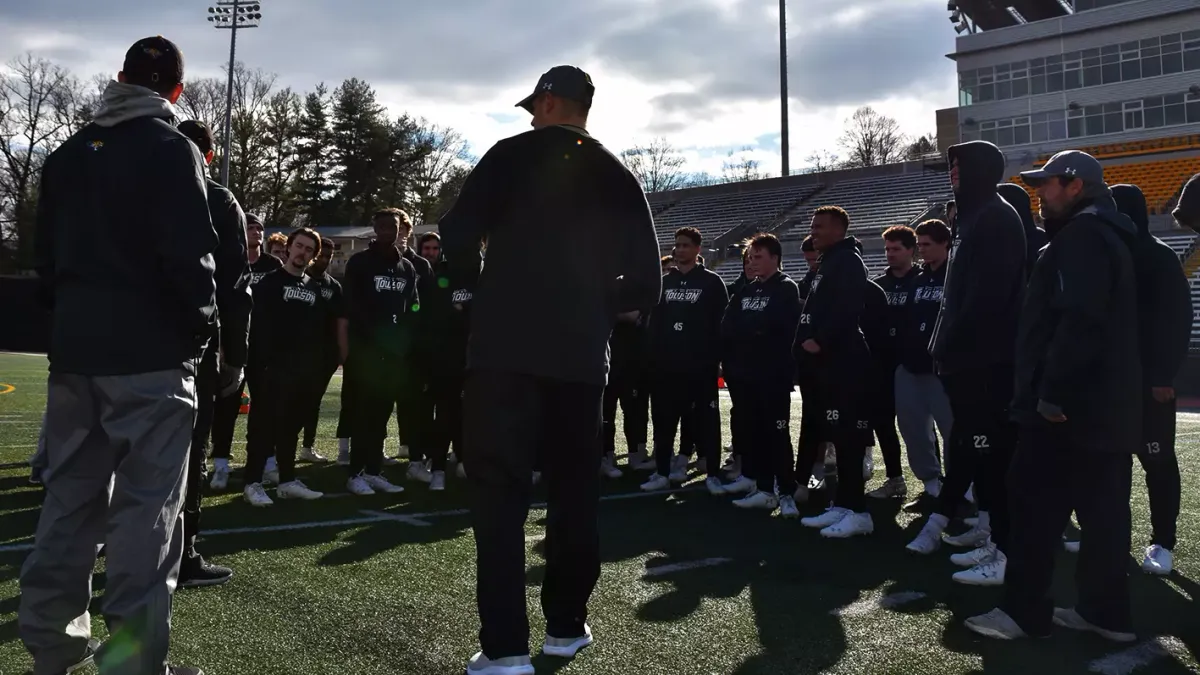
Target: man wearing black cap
<point x="1078" y="405"/>
<point x="537" y="369"/>
<point x="221" y="369"/>
<point x="124" y="251"/>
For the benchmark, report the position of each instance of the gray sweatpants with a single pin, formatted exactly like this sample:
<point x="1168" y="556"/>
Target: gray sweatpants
<point x="116" y="461"/>
<point x="920" y="401"/>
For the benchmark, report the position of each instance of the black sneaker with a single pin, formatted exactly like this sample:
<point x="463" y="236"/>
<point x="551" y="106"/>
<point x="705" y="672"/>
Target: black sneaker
<point x="35" y="475"/>
<point x="183" y="670"/>
<point x="89" y="656"/>
<point x="197" y="572"/>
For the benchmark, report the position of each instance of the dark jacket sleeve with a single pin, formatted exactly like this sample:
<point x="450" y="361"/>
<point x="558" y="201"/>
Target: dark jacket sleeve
<point x="268" y="299"/>
<point x="640" y="281"/>
<point x="44" y="258"/>
<point x="1171" y="331"/>
<point x="233" y="296"/>
<point x="998" y="252"/>
<point x="838" y="326"/>
<point x="1081" y="296"/>
<point x="730" y="323"/>
<point x="465" y="226"/>
<point x="718" y="299"/>
<point x="354" y="292"/>
<point x="787" y="306"/>
<point x="185" y="239"/>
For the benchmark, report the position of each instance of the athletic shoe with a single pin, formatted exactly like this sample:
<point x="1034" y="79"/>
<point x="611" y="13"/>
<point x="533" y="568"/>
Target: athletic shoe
<point x="832" y="516"/>
<point x="1069" y="618"/>
<point x="311" y="456"/>
<point x="437" y="482"/>
<point x="197" y="573"/>
<point x="741" y="485"/>
<point x="852" y="525"/>
<point x="868" y="465"/>
<point x="678" y="477"/>
<point x="714" y="485"/>
<point x="1159" y="561"/>
<point x="657" y="482"/>
<point x="929" y="539"/>
<point x="995" y="624"/>
<point x="567" y="647"/>
<point x="679" y="465"/>
<point x="980" y="556"/>
<point x="972" y="521"/>
<point x="89" y="656"/>
<point x="891" y="489"/>
<point x="220" y="477"/>
<point x="787" y="508"/>
<point x="381" y="484"/>
<point x="297" y="490"/>
<point x="35" y="475"/>
<point x="271" y="477"/>
<point x="608" y="467"/>
<point x="255" y="495"/>
<point x="933" y="487"/>
<point x="417" y="471"/>
<point x="972" y="538"/>
<point x="509" y="665"/>
<point x="990" y="573"/>
<point x="359" y="486"/>
<point x="758" y="500"/>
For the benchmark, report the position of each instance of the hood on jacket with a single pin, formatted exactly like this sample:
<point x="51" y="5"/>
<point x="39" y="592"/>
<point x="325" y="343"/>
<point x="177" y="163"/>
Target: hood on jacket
<point x="1130" y="201"/>
<point x="123" y="102"/>
<point x="980" y="170"/>
<point x="1187" y="211"/>
<point x="1019" y="199"/>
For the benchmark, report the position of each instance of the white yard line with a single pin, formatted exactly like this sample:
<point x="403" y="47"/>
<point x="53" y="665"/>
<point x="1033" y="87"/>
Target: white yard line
<point x="873" y="603"/>
<point x="1129" y="660"/>
<point x="684" y="566"/>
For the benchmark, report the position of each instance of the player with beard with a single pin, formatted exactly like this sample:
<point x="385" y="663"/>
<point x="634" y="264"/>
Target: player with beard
<point x="225" y="411"/>
<point x="757" y="334"/>
<point x="831" y="337"/>
<point x="335" y="343"/>
<point x="220" y="371"/>
<point x="288" y="335"/>
<point x="973" y="350"/>
<point x="900" y="243"/>
<point x="382" y="308"/>
<point x="685" y="339"/>
<point x="1165" y="322"/>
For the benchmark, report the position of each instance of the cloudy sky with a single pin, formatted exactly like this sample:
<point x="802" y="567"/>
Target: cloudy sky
<point x="701" y="73"/>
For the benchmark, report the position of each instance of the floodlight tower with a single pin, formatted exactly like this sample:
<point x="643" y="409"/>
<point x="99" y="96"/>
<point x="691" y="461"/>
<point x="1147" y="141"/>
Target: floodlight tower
<point x="783" y="85"/>
<point x="232" y="15"/>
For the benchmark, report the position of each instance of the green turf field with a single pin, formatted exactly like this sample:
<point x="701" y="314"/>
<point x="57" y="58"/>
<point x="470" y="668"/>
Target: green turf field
<point x="690" y="585"/>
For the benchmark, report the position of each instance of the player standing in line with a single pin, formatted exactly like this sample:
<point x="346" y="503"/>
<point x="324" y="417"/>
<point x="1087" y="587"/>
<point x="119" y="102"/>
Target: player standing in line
<point x="225" y="411"/>
<point x="810" y="461"/>
<point x="288" y="336"/>
<point x="737" y="427"/>
<point x="685" y="345"/>
<point x="414" y="412"/>
<point x="221" y="370"/>
<point x="382" y="306"/>
<point x="277" y="247"/>
<point x="900" y="243"/>
<point x="628" y="386"/>
<point x="757" y="334"/>
<point x="831" y="336"/>
<point x="335" y="345"/>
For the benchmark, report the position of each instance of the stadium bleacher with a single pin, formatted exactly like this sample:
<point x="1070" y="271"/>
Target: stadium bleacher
<point x="715" y="214"/>
<point x="877" y="203"/>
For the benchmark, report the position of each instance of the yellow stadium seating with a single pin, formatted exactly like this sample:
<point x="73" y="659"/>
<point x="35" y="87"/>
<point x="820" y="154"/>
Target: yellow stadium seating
<point x="1135" y="148"/>
<point x="1159" y="180"/>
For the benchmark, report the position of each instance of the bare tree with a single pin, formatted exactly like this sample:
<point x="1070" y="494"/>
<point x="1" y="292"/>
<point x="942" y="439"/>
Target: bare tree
<point x="737" y="169"/>
<point x="37" y="108"/>
<point x="821" y="161"/>
<point x="872" y="139"/>
<point x="658" y="166"/>
<point x="923" y="145"/>
<point x="447" y="153"/>
<point x="700" y="179"/>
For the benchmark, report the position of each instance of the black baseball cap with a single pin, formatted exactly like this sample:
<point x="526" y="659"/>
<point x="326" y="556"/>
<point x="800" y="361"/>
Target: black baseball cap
<point x="1067" y="164"/>
<point x="567" y="82"/>
<point x="155" y="63"/>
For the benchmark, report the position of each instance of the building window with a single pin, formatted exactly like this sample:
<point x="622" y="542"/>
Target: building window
<point x="1133" y="115"/>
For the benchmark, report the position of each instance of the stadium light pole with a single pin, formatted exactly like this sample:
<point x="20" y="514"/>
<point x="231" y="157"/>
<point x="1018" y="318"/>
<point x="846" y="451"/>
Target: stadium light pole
<point x="783" y="86"/>
<point x="231" y="15"/>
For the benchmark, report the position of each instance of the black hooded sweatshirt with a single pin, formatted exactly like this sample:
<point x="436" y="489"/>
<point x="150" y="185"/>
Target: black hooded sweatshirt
<point x="685" y="328"/>
<point x="1035" y="237"/>
<point x="1164" y="295"/>
<point x="920" y="318"/>
<point x="233" y="297"/>
<point x="898" y="293"/>
<point x="833" y="312"/>
<point x="985" y="277"/>
<point x="445" y="317"/>
<point x="382" y="302"/>
<point x="758" y="330"/>
<point x="1188" y="208"/>
<point x="1077" y="343"/>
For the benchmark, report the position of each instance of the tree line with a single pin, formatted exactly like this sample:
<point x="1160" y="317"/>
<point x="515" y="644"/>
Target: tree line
<point x="321" y="157"/>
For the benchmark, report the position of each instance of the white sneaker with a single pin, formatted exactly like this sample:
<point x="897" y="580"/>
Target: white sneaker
<point x="678" y="477"/>
<point x="461" y="471"/>
<point x="657" y="482"/>
<point x="714" y="485"/>
<point x="972" y="538"/>
<point x="608" y="467"/>
<point x="381" y="484"/>
<point x="983" y="554"/>
<point x="311" y="456"/>
<point x="271" y="477"/>
<point x="437" y="482"/>
<point x="852" y="525"/>
<point x="995" y="624"/>
<point x="831" y="516"/>
<point x="741" y="485"/>
<point x="419" y="472"/>
<point x="255" y="495"/>
<point x="567" y="648"/>
<point x="509" y="665"/>
<point x="679" y="465"/>
<point x="359" y="486"/>
<point x="892" y="488"/>
<point x="990" y="573"/>
<point x="297" y="490"/>
<point x="929" y="539"/>
<point x="220" y="478"/>
<point x="868" y="465"/>
<point x="1159" y="561"/>
<point x="758" y="500"/>
<point x="787" y="508"/>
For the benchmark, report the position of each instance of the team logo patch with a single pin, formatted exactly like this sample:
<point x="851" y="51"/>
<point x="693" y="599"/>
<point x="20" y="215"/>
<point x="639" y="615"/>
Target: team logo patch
<point x="682" y="294"/>
<point x="391" y="284"/>
<point x="299" y="294"/>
